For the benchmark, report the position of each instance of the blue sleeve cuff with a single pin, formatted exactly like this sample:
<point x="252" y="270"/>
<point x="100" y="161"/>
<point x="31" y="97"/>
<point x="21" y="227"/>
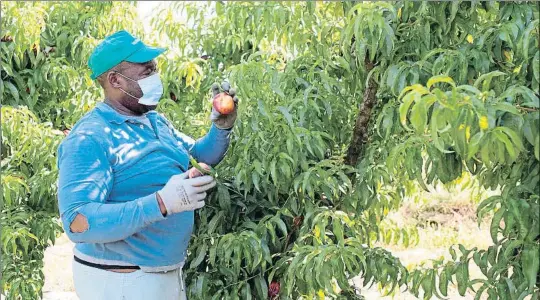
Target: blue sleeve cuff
<point x="150" y="209"/>
<point x="219" y="134"/>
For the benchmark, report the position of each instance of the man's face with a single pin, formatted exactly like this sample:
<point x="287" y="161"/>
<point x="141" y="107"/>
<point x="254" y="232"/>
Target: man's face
<point x="135" y="71"/>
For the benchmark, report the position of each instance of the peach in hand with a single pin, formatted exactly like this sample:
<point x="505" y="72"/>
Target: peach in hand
<point x="223" y="103"/>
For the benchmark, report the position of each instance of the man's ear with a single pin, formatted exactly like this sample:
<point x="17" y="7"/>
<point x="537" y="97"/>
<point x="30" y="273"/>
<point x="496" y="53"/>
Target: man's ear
<point x="114" y="80"/>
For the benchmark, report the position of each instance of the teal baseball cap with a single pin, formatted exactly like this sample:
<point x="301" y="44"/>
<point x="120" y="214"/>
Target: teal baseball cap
<point x="117" y="47"/>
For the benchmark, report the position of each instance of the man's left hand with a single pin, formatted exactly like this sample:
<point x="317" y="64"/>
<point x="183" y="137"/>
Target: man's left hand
<point x="220" y="120"/>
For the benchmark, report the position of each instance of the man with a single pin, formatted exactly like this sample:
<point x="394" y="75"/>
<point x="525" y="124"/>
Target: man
<point x="124" y="195"/>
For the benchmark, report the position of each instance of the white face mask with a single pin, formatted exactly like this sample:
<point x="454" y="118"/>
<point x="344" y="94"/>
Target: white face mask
<point x="151" y="87"/>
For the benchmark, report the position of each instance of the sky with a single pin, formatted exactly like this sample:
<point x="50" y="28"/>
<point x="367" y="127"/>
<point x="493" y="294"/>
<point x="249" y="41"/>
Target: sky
<point x="146" y="10"/>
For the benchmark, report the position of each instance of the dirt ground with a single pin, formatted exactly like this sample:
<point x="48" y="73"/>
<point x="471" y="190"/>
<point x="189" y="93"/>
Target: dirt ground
<point x="58" y="279"/>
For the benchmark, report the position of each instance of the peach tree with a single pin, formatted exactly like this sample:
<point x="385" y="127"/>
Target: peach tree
<point x="344" y="104"/>
<point x="345" y="108"/>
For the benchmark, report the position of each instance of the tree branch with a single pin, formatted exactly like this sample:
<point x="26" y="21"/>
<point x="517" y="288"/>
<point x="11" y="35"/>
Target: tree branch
<point x="360" y="132"/>
<point x="527" y="109"/>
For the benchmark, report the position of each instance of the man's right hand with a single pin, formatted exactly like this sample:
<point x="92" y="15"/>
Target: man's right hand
<point x="184" y="194"/>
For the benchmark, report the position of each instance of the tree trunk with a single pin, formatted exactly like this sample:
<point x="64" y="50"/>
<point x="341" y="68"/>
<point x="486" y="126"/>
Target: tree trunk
<point x="360" y="132"/>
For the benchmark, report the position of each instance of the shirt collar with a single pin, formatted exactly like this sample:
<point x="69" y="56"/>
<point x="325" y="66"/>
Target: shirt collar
<point x="113" y="116"/>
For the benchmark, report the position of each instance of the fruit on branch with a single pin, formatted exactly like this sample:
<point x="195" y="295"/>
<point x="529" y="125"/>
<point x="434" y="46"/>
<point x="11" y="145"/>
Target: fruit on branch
<point x="273" y="289"/>
<point x="297" y="221"/>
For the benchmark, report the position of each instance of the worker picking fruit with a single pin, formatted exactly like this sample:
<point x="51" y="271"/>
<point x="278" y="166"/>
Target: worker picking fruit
<point x="126" y="194"/>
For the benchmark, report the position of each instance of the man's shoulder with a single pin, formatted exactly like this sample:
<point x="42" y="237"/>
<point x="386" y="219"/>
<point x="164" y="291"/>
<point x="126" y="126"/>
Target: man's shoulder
<point x="161" y="116"/>
<point x="92" y="123"/>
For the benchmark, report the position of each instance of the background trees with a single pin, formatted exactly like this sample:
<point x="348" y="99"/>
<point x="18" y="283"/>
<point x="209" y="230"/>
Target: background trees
<point x="345" y="108"/>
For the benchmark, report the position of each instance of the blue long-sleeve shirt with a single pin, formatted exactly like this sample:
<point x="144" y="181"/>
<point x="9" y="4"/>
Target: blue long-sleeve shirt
<point x="110" y="167"/>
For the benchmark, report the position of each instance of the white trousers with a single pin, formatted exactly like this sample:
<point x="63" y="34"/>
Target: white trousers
<point x="96" y="284"/>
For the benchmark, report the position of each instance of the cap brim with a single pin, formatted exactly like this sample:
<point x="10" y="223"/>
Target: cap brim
<point x="145" y="54"/>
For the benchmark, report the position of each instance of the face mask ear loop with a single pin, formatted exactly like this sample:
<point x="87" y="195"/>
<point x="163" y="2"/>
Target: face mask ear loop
<point x="129" y="94"/>
<point x="124" y="76"/>
<point x="123" y="89"/>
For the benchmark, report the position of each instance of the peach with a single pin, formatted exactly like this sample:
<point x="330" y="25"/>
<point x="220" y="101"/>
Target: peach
<point x="223" y="103"/>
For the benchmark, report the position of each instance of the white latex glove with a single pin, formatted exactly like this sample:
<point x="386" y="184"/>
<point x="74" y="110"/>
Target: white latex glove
<point x="184" y="194"/>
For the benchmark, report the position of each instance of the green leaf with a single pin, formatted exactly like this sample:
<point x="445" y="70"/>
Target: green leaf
<point x="427" y="285"/>
<point x="273" y="172"/>
<point x="462" y="277"/>
<point x="440" y="78"/>
<point x="404" y="109"/>
<point x="281" y="225"/>
<point x="537" y="147"/>
<point x="508" y="144"/>
<point x="484" y="153"/>
<point x="530" y="263"/>
<point x="470" y="89"/>
<point x="443" y="283"/>
<point x="418" y="88"/>
<point x="530" y="130"/>
<point x="305" y="182"/>
<point x="287" y="115"/>
<point x="509" y="251"/>
<point x="200" y="256"/>
<point x="343" y="63"/>
<point x="392" y="74"/>
<point x="13" y="90"/>
<point x="434" y="129"/>
<point x="486" y="205"/>
<point x="388" y="122"/>
<point x="505" y="106"/>
<point x="214" y="222"/>
<point x="258" y="167"/>
<point x="536" y="67"/>
<point x="212" y="255"/>
<point x="474" y="144"/>
<point x="200" y="284"/>
<point x="338" y="231"/>
<point x="246" y="291"/>
<point x="261" y="287"/>
<point x="480" y="291"/>
<point x="405" y="236"/>
<point x="486" y="80"/>
<point x="513" y="136"/>
<point x="224" y="197"/>
<point x="262" y="109"/>
<point x="495" y="222"/>
<point x="256" y="180"/>
<point x="419" y="117"/>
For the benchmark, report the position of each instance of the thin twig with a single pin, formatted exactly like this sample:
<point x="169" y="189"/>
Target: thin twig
<point x="529" y="109"/>
<point x="240" y="281"/>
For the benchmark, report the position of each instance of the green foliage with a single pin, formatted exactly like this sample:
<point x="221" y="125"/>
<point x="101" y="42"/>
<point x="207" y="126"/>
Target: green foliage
<point x="29" y="213"/>
<point x="457" y="92"/>
<point x="45" y="88"/>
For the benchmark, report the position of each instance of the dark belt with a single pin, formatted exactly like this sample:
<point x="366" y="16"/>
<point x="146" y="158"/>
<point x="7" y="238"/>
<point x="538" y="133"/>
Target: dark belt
<point x="104" y="267"/>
